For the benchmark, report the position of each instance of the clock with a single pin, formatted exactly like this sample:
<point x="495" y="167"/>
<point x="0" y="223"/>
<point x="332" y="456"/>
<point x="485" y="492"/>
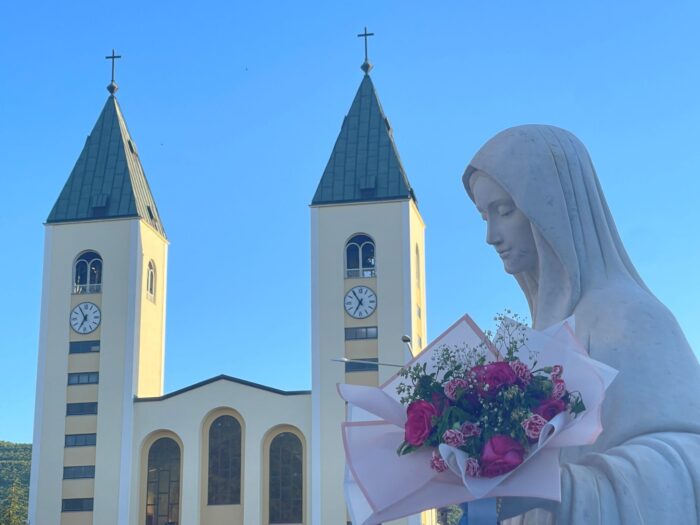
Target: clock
<point x="360" y="302"/>
<point x="85" y="318"/>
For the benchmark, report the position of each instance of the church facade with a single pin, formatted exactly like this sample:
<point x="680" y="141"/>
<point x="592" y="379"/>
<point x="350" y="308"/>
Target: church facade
<point x="112" y="448"/>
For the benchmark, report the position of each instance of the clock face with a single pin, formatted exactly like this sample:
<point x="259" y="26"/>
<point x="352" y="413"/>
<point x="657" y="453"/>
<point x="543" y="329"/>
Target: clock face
<point x="85" y="318"/>
<point x="360" y="302"/>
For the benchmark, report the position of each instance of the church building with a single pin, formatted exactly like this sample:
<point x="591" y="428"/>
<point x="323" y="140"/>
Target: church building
<point x="112" y="448"/>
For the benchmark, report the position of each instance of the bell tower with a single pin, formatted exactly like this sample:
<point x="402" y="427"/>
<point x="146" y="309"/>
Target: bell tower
<point x="367" y="282"/>
<point x="102" y="329"/>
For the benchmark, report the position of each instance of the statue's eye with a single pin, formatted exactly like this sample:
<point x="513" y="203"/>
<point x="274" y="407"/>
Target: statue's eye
<point x="504" y="211"/>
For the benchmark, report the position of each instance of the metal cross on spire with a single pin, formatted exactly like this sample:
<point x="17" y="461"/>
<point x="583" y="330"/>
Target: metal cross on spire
<point x="366" y="66"/>
<point x="112" y="88"/>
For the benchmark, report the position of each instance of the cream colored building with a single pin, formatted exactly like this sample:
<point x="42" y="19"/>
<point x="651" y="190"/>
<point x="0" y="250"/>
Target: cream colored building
<point x="111" y="448"/>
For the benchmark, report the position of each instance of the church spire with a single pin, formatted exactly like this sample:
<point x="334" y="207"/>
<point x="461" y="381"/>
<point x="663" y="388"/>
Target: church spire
<point x="108" y="180"/>
<point x="365" y="164"/>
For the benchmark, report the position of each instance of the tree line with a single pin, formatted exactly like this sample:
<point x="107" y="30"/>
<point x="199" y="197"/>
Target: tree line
<point x="15" y="462"/>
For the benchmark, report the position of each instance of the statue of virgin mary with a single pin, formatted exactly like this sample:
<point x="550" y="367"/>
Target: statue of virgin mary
<point x="547" y="217"/>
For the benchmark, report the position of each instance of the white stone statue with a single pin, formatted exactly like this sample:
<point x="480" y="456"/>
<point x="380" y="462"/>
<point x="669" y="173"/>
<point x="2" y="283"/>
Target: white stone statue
<point x="547" y="217"/>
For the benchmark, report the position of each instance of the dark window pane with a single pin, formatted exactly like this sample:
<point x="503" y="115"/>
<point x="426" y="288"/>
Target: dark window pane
<point x="83" y="378"/>
<point x="352" y="254"/>
<point x="286" y="479"/>
<point x="163" y="488"/>
<point x="81" y="409"/>
<point x="225" y="461"/>
<point x="81" y="272"/>
<point x="362" y="367"/>
<point x="368" y="255"/>
<point x="96" y="271"/>
<point x="76" y="504"/>
<point x="81" y="440"/>
<point x="368" y="332"/>
<point x="81" y="472"/>
<point x="83" y="347"/>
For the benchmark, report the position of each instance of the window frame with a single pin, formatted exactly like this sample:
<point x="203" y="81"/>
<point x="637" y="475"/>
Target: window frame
<point x="269" y="441"/>
<point x="360" y="241"/>
<point x="91" y="285"/>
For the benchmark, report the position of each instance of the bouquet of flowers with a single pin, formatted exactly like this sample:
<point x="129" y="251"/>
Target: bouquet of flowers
<point x="494" y="412"/>
<point x="489" y="414"/>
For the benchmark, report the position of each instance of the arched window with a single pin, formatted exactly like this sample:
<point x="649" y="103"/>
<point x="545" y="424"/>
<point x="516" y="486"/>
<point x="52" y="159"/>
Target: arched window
<point x="163" y="483"/>
<point x="151" y="280"/>
<point x="87" y="273"/>
<point x="225" y="461"/>
<point x="286" y="482"/>
<point x="359" y="257"/>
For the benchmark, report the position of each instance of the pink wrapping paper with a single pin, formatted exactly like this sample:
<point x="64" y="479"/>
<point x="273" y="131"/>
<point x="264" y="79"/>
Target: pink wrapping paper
<point x="380" y="485"/>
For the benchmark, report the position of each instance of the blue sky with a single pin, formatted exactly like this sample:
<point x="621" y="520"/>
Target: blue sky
<point x="235" y="108"/>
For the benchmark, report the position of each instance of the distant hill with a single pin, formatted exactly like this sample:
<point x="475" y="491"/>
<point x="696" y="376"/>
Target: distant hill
<point x="15" y="462"/>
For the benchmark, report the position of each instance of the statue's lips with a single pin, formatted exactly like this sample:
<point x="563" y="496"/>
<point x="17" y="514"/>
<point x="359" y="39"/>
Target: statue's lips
<point x="503" y="254"/>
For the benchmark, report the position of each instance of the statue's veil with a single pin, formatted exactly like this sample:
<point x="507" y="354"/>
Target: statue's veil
<point x="550" y="176"/>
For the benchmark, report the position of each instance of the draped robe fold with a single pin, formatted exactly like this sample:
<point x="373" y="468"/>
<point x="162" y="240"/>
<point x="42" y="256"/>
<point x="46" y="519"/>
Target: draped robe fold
<point x="645" y="466"/>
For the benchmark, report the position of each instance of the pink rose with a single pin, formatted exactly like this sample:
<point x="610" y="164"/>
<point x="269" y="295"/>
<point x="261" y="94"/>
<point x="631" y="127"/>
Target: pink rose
<point x="493" y="377"/>
<point x="453" y="438"/>
<point x="550" y="408"/>
<point x="522" y="371"/>
<point x="473" y="468"/>
<point x="501" y="454"/>
<point x="557" y="371"/>
<point x="437" y="463"/>
<point x="470" y="429"/>
<point x="558" y="389"/>
<point x="453" y="388"/>
<point x="533" y="426"/>
<point x="419" y="423"/>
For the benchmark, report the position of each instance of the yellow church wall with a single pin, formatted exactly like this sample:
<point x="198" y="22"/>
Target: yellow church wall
<point x="119" y="243"/>
<point x="84" y="362"/>
<point x="81" y="394"/>
<point x="76" y="518"/>
<point x="395" y="227"/>
<point x="362" y="378"/>
<point x="150" y="364"/>
<point x="78" y="488"/>
<point x="418" y="299"/>
<point x="185" y="415"/>
<point x="74" y="456"/>
<point x="81" y="425"/>
<point x="361" y="348"/>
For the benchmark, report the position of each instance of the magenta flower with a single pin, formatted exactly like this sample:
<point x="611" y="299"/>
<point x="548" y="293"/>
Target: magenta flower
<point x="454" y="387"/>
<point x="493" y="377"/>
<point x="501" y="454"/>
<point x="437" y="463"/>
<point x="522" y="371"/>
<point x="558" y="388"/>
<point x="557" y="371"/>
<point x="472" y="468"/>
<point x="453" y="438"/>
<point x="533" y="426"/>
<point x="419" y="423"/>
<point x="470" y="429"/>
<point x="550" y="408"/>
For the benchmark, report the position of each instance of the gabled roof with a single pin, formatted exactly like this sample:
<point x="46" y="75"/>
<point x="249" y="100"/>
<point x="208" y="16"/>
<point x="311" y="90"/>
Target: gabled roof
<point x="231" y="379"/>
<point x="108" y="180"/>
<point x="364" y="165"/>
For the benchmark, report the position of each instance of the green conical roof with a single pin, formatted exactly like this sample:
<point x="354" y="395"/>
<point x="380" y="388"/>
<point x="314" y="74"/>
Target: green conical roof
<point x="107" y="180"/>
<point x="364" y="165"/>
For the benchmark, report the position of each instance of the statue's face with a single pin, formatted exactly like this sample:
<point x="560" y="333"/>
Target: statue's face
<point x="508" y="229"/>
